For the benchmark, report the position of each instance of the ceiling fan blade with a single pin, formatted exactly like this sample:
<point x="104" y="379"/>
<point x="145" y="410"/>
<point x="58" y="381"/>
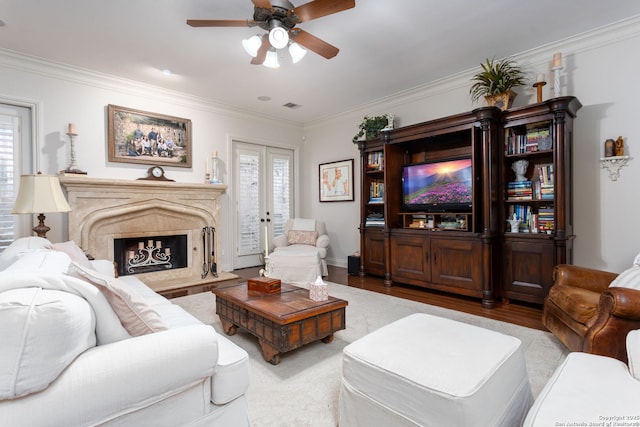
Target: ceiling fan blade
<point x="314" y="44"/>
<point x="262" y="52"/>
<point x="265" y="4"/>
<point x="221" y="23"/>
<point x="319" y="8"/>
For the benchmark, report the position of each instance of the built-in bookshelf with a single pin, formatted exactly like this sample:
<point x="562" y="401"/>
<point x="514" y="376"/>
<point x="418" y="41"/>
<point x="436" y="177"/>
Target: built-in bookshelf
<point x="537" y="145"/>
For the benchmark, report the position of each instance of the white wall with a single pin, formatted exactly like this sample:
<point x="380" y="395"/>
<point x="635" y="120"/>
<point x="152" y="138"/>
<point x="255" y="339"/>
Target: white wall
<point x="600" y="69"/>
<point x="67" y="95"/>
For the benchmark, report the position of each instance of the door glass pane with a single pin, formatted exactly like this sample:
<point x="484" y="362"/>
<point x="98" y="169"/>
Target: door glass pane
<point x="281" y="201"/>
<point x="248" y="203"/>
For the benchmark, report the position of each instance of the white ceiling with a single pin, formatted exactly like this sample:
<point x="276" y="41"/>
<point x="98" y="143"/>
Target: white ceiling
<point x="385" y="46"/>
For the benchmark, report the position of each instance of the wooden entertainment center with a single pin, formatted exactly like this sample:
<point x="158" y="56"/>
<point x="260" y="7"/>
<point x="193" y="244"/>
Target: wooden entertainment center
<point x="474" y="252"/>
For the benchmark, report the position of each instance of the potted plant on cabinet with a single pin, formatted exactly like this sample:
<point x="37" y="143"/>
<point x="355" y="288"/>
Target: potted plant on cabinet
<point x="371" y="126"/>
<point x="496" y="81"/>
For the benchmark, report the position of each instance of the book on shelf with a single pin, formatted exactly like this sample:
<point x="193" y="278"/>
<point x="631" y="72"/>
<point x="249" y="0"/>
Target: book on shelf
<point x="545" y="174"/>
<point x="536" y="137"/>
<point x="523" y="213"/>
<point x="375" y="161"/>
<point x="376" y="192"/>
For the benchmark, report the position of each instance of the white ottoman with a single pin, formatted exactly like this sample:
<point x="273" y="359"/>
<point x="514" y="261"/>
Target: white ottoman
<point x="297" y="268"/>
<point x="424" y="370"/>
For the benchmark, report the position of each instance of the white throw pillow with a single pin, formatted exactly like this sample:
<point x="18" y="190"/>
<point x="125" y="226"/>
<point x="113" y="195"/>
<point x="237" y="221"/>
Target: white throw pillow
<point x="20" y="246"/>
<point x="137" y="317"/>
<point x="628" y="279"/>
<point x="42" y="331"/>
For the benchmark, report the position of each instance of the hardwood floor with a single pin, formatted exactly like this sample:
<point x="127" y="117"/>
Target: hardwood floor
<point x="529" y="315"/>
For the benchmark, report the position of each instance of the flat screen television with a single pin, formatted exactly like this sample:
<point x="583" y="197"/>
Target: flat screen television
<point x="438" y="186"/>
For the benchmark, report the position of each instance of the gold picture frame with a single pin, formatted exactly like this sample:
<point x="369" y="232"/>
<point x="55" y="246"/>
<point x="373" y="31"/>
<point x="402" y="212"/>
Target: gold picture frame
<point x="136" y="136"/>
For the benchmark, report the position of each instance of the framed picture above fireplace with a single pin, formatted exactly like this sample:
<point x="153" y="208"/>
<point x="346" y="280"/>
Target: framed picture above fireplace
<point x="136" y="136"/>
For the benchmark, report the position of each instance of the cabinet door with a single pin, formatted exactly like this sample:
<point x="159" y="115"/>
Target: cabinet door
<point x="373" y="252"/>
<point x="410" y="258"/>
<point x="528" y="269"/>
<point x="456" y="262"/>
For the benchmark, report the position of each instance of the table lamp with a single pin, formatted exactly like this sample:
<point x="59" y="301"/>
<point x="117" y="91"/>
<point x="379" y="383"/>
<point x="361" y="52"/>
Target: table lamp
<point x="40" y="194"/>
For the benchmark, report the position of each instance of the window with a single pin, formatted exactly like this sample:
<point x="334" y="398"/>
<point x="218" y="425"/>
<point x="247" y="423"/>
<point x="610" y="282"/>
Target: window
<point x="15" y="158"/>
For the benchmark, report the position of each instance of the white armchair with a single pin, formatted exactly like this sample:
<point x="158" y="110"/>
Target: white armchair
<point x="304" y="236"/>
<point x="588" y="389"/>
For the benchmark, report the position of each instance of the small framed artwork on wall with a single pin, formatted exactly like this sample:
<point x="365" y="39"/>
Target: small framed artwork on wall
<point x="336" y="181"/>
<point x="136" y="136"/>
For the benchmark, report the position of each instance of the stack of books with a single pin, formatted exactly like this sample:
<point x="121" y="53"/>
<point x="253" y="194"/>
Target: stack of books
<point x="374" y="220"/>
<point x="545" y="218"/>
<point x="520" y="190"/>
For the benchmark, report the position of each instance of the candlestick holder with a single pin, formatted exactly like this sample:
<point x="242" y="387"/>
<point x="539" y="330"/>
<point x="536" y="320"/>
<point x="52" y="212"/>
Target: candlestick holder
<point x="73" y="168"/>
<point x="538" y="86"/>
<point x="556" y="81"/>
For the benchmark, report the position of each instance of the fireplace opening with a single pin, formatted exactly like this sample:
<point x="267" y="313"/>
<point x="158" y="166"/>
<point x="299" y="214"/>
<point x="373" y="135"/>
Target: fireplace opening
<point x="137" y="255"/>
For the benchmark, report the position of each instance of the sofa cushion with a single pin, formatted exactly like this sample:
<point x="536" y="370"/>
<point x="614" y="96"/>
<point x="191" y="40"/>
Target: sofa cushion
<point x="41" y="260"/>
<point x="74" y="251"/>
<point x="297" y="237"/>
<point x="579" y="304"/>
<point x="628" y="279"/>
<point x="633" y="353"/>
<point x="137" y="317"/>
<point x="43" y="331"/>
<point x="21" y="246"/>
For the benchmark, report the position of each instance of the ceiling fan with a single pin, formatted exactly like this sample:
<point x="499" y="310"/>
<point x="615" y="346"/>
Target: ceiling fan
<point x="279" y="18"/>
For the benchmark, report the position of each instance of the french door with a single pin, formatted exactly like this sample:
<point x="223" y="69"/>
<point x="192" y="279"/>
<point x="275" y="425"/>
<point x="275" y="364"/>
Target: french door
<point x="263" y="189"/>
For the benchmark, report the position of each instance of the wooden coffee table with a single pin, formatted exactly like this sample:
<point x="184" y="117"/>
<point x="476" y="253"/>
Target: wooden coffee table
<point x="281" y="321"/>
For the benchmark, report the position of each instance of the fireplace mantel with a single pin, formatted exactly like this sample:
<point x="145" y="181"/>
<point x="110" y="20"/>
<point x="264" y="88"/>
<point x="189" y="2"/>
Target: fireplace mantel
<point x="108" y="209"/>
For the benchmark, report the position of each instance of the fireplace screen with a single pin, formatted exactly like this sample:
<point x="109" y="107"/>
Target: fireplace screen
<point x="146" y="254"/>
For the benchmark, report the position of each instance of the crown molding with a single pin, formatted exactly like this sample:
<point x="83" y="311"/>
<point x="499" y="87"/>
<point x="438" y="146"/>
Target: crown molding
<point x="535" y="58"/>
<point x="63" y="72"/>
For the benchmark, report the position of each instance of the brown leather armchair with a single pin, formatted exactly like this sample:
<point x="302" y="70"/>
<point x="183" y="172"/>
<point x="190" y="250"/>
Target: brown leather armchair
<point x="589" y="316"/>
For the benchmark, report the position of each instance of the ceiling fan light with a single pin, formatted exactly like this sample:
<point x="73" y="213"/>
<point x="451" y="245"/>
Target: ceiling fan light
<point x="251" y="45"/>
<point x="271" y="60"/>
<point x="297" y="52"/>
<point x="278" y="37"/>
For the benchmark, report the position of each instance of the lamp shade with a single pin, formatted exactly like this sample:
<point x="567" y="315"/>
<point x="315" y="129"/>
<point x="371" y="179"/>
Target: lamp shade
<point x="252" y="44"/>
<point x="40" y="194"/>
<point x="297" y="52"/>
<point x="271" y="59"/>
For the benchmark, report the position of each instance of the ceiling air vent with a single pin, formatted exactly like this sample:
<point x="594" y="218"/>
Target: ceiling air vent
<point x="292" y="105"/>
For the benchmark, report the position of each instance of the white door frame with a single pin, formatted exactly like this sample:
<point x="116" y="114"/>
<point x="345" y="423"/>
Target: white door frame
<point x="229" y="233"/>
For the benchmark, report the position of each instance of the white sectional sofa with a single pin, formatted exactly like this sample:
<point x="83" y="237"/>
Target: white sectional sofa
<point x="81" y="348"/>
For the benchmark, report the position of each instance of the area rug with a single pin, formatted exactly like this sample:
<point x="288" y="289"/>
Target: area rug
<point x="303" y="389"/>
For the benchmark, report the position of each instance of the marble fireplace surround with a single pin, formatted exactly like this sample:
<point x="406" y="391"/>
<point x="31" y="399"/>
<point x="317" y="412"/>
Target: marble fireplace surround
<point x="106" y="209"/>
